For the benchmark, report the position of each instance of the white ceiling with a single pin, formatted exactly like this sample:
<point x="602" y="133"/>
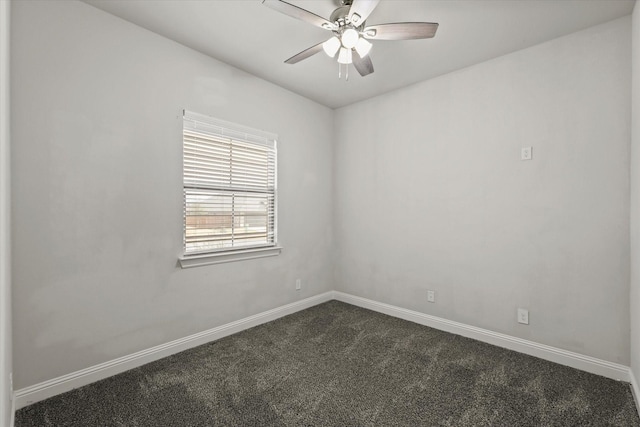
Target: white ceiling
<point x="252" y="37"/>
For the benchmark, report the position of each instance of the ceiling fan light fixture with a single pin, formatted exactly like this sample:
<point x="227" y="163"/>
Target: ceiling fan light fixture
<point x="350" y="38"/>
<point x="363" y="47"/>
<point x="331" y="46"/>
<point x="347" y="23"/>
<point x="344" y="57"/>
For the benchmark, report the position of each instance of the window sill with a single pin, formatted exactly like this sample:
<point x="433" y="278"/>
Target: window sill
<point x="189" y="261"/>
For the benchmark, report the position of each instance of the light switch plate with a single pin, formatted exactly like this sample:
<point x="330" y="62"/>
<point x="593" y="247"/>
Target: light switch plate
<point x="525" y="154"/>
<point x="431" y="296"/>
<point x="523" y="316"/>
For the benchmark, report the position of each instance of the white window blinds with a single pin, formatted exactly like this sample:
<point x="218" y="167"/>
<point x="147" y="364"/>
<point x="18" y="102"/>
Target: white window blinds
<point x="229" y="186"/>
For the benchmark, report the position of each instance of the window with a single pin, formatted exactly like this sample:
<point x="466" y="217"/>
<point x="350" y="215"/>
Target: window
<point x="229" y="186"/>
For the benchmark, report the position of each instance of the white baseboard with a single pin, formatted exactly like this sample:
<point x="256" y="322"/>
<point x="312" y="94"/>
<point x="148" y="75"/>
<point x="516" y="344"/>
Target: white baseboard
<point x="635" y="390"/>
<point x="53" y="387"/>
<point x="553" y="354"/>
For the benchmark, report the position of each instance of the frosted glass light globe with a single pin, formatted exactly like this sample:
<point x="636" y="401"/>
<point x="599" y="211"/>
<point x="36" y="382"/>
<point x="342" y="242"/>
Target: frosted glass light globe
<point x="344" y="57"/>
<point x="350" y="38"/>
<point x="363" y="47"/>
<point x="331" y="46"/>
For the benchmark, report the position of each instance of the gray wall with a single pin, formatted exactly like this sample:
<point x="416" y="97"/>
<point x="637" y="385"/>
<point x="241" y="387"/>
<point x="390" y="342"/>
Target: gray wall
<point x="97" y="195"/>
<point x="5" y="224"/>
<point x="431" y="194"/>
<point x="635" y="196"/>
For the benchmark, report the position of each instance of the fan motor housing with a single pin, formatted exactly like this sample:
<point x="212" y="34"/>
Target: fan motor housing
<point x="341" y="16"/>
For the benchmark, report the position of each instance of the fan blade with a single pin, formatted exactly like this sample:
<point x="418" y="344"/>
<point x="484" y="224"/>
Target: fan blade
<point x="305" y="54"/>
<point x="299" y="13"/>
<point x="360" y="11"/>
<point x="401" y="31"/>
<point x="363" y="65"/>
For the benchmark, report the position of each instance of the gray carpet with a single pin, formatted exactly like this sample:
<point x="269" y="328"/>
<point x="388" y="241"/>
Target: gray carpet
<point x="340" y="365"/>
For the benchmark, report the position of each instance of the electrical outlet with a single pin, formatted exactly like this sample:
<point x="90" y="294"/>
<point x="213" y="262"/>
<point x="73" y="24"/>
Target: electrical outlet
<point x="525" y="154"/>
<point x="523" y="316"/>
<point x="298" y="284"/>
<point x="431" y="296"/>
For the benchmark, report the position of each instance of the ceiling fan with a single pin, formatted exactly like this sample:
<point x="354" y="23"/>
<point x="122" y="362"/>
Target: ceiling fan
<point x="351" y="35"/>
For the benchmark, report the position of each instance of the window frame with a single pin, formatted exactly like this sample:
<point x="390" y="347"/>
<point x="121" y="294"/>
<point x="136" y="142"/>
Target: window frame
<point x="216" y="128"/>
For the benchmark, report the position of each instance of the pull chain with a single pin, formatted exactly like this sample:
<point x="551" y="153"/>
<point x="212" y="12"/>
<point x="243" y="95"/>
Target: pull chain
<point x="346" y="73"/>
